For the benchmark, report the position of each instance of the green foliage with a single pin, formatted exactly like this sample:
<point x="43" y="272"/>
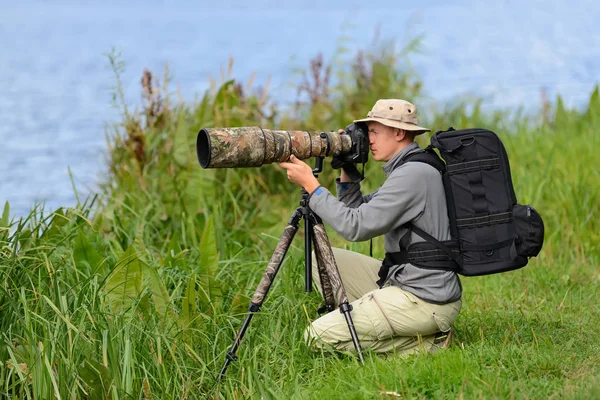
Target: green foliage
<point x="141" y="294"/>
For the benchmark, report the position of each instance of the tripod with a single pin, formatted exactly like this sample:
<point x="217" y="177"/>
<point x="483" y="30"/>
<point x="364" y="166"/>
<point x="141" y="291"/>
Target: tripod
<point x="331" y="283"/>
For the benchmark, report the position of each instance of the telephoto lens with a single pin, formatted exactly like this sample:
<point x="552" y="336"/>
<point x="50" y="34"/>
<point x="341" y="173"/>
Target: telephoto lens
<point x="254" y="146"/>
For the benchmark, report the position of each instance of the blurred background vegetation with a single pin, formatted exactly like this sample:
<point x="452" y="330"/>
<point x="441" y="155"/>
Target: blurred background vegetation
<point x="138" y="291"/>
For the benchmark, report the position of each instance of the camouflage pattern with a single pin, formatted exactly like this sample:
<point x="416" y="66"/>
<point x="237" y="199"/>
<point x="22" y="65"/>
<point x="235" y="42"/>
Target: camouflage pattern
<point x="324" y="277"/>
<point x="255" y="146"/>
<point x="327" y="261"/>
<point x="276" y="259"/>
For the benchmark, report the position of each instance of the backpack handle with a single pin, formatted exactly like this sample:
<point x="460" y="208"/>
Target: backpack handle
<point x="469" y="139"/>
<point x="462" y="142"/>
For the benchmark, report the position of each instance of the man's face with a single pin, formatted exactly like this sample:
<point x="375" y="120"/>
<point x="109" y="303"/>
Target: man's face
<point x="383" y="141"/>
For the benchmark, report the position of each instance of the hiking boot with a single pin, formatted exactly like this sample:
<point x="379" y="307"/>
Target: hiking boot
<point x="442" y="340"/>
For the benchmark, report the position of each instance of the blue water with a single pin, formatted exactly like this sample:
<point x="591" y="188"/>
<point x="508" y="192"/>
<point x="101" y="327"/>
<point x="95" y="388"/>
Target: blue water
<point x="55" y="87"/>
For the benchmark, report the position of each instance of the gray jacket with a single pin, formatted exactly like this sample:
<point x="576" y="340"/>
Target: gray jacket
<point x="412" y="192"/>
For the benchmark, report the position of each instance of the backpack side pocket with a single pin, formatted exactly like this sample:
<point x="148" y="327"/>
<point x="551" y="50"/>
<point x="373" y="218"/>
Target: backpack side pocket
<point x="530" y="230"/>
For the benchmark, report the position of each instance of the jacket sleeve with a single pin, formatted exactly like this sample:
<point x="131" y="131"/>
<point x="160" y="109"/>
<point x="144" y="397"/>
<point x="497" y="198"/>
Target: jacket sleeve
<point x="399" y="200"/>
<point x="350" y="194"/>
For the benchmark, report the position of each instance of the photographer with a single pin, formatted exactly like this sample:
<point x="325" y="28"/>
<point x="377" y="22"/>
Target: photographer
<point x="395" y="307"/>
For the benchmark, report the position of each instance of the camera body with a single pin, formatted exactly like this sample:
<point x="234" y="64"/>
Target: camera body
<point x="359" y="151"/>
<point x="359" y="132"/>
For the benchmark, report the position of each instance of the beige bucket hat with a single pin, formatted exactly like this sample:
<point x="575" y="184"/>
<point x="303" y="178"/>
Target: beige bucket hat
<point x="395" y="113"/>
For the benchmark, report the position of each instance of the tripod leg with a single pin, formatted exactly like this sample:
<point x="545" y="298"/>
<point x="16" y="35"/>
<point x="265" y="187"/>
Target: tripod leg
<point x="307" y="255"/>
<point x="326" y="261"/>
<point x="265" y="284"/>
<point x="326" y="288"/>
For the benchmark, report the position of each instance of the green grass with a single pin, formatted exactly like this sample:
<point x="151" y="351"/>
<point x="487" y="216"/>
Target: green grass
<point x="139" y="292"/>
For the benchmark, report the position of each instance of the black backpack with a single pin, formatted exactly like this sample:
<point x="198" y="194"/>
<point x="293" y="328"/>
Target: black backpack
<point x="491" y="233"/>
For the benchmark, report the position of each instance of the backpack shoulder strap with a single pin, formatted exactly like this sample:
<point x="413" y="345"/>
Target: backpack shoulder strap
<point x="427" y="156"/>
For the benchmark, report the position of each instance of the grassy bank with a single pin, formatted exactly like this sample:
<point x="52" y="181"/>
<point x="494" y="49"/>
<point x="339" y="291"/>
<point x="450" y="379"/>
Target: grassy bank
<point x="139" y="292"/>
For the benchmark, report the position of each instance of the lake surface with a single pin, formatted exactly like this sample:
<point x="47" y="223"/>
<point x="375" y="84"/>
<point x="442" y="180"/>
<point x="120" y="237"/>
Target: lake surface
<point x="55" y="84"/>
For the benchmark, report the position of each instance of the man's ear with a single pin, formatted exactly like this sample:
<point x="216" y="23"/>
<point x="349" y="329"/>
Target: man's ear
<point x="400" y="134"/>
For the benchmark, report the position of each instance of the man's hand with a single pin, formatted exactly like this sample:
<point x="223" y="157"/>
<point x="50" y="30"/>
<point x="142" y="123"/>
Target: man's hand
<point x="300" y="173"/>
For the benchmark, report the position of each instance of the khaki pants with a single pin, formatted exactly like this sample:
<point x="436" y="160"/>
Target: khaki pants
<point x="385" y="319"/>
